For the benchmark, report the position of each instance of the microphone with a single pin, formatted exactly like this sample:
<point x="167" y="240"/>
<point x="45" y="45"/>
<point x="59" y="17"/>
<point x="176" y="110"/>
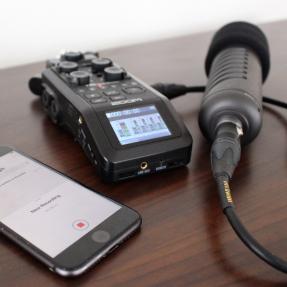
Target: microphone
<point x="237" y="64"/>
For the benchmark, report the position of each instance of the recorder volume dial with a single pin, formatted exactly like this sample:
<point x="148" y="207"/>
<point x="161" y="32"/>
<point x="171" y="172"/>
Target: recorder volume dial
<point x="99" y="64"/>
<point x="114" y="74"/>
<point x="73" y="56"/>
<point x="80" y="77"/>
<point x="68" y="67"/>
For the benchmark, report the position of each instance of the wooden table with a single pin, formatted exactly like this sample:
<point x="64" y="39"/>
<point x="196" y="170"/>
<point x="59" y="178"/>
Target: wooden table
<point x="185" y="239"/>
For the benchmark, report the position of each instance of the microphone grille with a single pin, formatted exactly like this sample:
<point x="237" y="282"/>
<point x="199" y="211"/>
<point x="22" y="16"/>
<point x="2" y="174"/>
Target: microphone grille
<point x="238" y="34"/>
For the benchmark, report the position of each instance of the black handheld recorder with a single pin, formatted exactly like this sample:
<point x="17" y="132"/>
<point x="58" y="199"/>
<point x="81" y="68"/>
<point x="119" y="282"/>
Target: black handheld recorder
<point x="125" y="127"/>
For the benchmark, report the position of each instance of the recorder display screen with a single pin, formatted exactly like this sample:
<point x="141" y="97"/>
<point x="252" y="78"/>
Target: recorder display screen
<point x="138" y="124"/>
<point x="50" y="211"/>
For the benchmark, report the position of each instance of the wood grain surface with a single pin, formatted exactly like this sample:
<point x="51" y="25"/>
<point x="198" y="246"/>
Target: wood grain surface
<point x="185" y="239"/>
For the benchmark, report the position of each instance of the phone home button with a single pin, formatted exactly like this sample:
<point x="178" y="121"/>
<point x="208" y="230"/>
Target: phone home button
<point x="101" y="236"/>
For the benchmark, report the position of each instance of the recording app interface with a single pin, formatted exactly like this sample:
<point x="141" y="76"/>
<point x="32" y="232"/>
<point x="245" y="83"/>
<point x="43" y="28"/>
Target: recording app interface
<point x="137" y="125"/>
<point x="50" y="211"/>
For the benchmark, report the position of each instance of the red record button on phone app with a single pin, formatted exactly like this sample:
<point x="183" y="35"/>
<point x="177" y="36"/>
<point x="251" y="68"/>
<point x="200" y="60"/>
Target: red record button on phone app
<point x="80" y="224"/>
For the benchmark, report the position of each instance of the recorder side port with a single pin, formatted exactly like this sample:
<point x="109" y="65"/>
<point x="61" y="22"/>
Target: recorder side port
<point x="143" y="165"/>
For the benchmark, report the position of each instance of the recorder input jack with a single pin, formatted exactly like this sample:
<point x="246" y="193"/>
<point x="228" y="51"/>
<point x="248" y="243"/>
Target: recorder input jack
<point x="143" y="165"/>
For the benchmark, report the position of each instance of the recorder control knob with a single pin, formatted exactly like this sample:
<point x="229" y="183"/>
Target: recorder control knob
<point x="114" y="74"/>
<point x="80" y="77"/>
<point x="99" y="64"/>
<point x="68" y="67"/>
<point x="73" y="56"/>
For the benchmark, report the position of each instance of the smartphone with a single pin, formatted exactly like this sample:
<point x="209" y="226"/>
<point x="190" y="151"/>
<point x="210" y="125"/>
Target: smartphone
<point x="62" y="223"/>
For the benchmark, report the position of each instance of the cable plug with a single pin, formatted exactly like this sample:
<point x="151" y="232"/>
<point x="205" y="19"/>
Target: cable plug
<point x="226" y="150"/>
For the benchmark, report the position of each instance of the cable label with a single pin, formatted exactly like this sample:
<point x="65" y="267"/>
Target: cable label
<point x="227" y="191"/>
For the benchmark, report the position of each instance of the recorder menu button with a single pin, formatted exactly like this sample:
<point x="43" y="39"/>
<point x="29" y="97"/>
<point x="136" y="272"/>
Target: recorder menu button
<point x="93" y="96"/>
<point x="133" y="90"/>
<point x="98" y="101"/>
<point x="111" y="93"/>
<point x="117" y="98"/>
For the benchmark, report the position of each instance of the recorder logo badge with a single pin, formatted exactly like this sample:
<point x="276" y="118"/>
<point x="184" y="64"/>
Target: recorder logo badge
<point x="80" y="224"/>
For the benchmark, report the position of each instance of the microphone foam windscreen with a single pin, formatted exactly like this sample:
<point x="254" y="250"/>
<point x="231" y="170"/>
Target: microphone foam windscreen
<point x="238" y="34"/>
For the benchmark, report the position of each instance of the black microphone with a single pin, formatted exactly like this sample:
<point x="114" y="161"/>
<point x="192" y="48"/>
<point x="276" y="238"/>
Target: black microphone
<point x="237" y="64"/>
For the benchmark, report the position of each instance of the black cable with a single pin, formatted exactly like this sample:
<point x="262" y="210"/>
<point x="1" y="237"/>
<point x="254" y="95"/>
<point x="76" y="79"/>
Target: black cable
<point x="194" y="89"/>
<point x="225" y="155"/>
<point x="241" y="231"/>
<point x="172" y="91"/>
<point x="252" y="243"/>
<point x="275" y="102"/>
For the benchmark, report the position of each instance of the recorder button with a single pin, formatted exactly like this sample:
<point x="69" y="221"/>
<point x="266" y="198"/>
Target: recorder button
<point x="80" y="77"/>
<point x="114" y="74"/>
<point x="88" y="56"/>
<point x="98" y="100"/>
<point x="93" y="96"/>
<point x="110" y="93"/>
<point x="68" y="67"/>
<point x="101" y="236"/>
<point x="117" y="98"/>
<point x="133" y="90"/>
<point x="99" y="64"/>
<point x="73" y="56"/>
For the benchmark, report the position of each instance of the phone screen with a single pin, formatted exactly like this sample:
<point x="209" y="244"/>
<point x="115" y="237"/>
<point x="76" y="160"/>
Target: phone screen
<point x="47" y="209"/>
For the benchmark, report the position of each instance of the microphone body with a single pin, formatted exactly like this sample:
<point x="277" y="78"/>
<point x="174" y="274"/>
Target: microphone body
<point x="237" y="63"/>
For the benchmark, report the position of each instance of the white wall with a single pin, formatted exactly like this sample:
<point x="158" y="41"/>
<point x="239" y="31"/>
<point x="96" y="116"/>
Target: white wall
<point x="33" y="30"/>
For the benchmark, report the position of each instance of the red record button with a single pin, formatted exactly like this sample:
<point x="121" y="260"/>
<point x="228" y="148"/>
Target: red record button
<point x="80" y="224"/>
